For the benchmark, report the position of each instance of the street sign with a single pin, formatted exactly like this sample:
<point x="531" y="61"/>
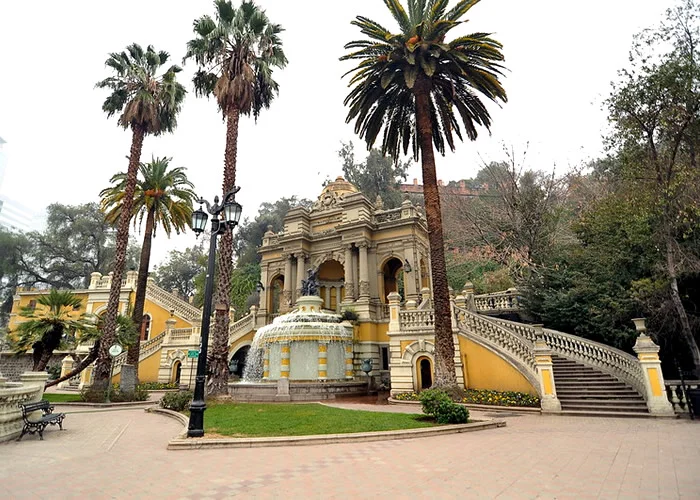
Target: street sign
<point x="193" y="353"/>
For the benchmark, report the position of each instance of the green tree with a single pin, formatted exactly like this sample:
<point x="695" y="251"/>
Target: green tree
<point x="409" y="84"/>
<point x="236" y="52"/>
<point x="164" y="197"/>
<point x="148" y="104"/>
<point x="655" y="114"/>
<point x="179" y="271"/>
<point x="377" y="175"/>
<point x="43" y="328"/>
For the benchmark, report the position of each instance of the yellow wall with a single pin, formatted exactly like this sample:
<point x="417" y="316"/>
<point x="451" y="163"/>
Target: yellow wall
<point x="248" y="337"/>
<point x="158" y="317"/>
<point x="485" y="370"/>
<point x="148" y="369"/>
<point x="371" y="332"/>
<point x="24" y="302"/>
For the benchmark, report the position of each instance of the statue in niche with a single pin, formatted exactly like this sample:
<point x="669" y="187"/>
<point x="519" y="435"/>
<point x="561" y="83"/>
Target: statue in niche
<point x="309" y="286"/>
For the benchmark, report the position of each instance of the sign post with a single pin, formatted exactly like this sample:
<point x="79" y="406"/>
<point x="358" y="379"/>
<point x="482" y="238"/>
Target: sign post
<point x="114" y="351"/>
<point x="192" y="354"/>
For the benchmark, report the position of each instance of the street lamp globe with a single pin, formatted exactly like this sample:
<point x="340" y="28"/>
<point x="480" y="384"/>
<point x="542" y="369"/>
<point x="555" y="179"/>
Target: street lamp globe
<point x="199" y="221"/>
<point x="232" y="213"/>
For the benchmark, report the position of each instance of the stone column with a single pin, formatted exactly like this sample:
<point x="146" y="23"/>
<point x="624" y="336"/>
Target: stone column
<point x="322" y="360"/>
<point x="86" y="377"/>
<point x="364" y="272"/>
<point x="266" y="363"/>
<point x="169" y="326"/>
<point x="347" y="268"/>
<point x="301" y="273"/>
<point x="648" y="354"/>
<point x="424" y="294"/>
<point x="394" y="307"/>
<point x="66" y="367"/>
<point x="409" y="278"/>
<point x="287" y="292"/>
<point x="543" y="362"/>
<point x="348" y="361"/>
<point x="468" y="292"/>
<point x="284" y="360"/>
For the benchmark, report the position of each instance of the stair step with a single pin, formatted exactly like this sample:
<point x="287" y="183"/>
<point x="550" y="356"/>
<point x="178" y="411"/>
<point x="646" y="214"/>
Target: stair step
<point x="615" y="414"/>
<point x="603" y="402"/>
<point x="614" y="408"/>
<point x="597" y="395"/>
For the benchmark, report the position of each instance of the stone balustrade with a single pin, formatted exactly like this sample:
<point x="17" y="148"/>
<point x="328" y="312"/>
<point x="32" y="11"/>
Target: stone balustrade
<point x="417" y="319"/>
<point x="677" y="397"/>
<point x="170" y="302"/>
<point x="29" y="390"/>
<point x="506" y="301"/>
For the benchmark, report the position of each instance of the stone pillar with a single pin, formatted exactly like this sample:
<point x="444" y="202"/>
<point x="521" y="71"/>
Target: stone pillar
<point x="347" y="268"/>
<point x="364" y="272"/>
<point x="287" y="291"/>
<point x="86" y="377"/>
<point x="301" y="272"/>
<point x="66" y="367"/>
<point x="424" y="294"/>
<point x="348" y="361"/>
<point x="94" y="278"/>
<point x="266" y="363"/>
<point x="169" y="326"/>
<point x="468" y="293"/>
<point x="409" y="277"/>
<point x="131" y="278"/>
<point x="322" y="360"/>
<point x="284" y="360"/>
<point x="394" y="307"/>
<point x="543" y="362"/>
<point x="648" y="354"/>
<point x="37" y="381"/>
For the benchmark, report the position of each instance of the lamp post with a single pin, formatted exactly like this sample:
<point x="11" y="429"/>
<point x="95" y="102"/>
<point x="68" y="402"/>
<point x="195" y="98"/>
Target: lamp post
<point x="231" y="215"/>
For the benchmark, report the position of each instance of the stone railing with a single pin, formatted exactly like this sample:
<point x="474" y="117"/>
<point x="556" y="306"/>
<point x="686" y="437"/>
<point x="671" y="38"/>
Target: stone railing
<point x="145" y="350"/>
<point x="417" y="320"/>
<point x="617" y="363"/>
<point x="181" y="335"/>
<point x="167" y="300"/>
<point x="506" y="340"/>
<point x="500" y="301"/>
<point x="675" y="394"/>
<point x="241" y="327"/>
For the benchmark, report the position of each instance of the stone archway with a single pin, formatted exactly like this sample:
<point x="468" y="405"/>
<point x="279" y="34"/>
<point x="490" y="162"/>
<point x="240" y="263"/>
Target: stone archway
<point x="238" y="360"/>
<point x="393" y="278"/>
<point x="176" y="371"/>
<point x="424" y="371"/>
<point x="275" y="294"/>
<point x="414" y="354"/>
<point x="331" y="278"/>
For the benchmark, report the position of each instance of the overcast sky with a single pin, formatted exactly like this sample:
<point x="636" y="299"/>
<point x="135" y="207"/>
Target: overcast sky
<point x="561" y="57"/>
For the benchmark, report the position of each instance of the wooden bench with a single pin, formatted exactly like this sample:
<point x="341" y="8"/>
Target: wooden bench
<point x="33" y="424"/>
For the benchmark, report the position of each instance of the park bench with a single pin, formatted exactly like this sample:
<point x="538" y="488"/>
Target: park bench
<point x="33" y="424"/>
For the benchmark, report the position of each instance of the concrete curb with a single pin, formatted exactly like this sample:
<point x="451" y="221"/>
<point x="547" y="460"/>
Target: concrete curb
<point x="523" y="409"/>
<point x="172" y="414"/>
<point x="136" y="404"/>
<point x="182" y="443"/>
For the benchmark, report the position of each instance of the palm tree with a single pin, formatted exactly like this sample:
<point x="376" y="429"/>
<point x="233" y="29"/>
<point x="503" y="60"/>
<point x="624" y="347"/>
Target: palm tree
<point x="236" y="53"/>
<point x="408" y="85"/>
<point x="165" y="198"/>
<point x="48" y="326"/>
<point x="147" y="104"/>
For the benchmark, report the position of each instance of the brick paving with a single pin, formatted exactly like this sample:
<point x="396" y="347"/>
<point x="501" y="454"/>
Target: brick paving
<point x="121" y="454"/>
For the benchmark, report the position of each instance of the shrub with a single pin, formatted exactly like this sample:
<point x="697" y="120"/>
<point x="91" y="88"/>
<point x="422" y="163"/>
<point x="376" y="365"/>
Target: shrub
<point x="349" y="315"/>
<point x="54" y="372"/>
<point x="176" y="401"/>
<point x="431" y="398"/>
<point x="447" y="412"/>
<point x="91" y="395"/>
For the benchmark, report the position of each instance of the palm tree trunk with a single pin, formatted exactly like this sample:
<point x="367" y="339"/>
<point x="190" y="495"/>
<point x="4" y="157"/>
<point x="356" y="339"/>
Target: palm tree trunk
<point x="686" y="331"/>
<point x="218" y="367"/>
<point x="444" y="342"/>
<point x="132" y="356"/>
<point x="44" y="360"/>
<point x="104" y="360"/>
<point x="92" y="356"/>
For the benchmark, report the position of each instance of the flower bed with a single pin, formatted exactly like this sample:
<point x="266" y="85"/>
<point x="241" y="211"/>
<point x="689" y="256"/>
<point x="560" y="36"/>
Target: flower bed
<point x="486" y="397"/>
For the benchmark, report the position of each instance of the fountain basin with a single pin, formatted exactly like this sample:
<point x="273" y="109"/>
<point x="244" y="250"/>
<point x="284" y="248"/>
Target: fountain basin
<point x="283" y="390"/>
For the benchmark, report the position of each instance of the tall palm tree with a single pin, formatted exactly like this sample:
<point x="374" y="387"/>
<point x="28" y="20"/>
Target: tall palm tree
<point x="164" y="197"/>
<point x="409" y="84"/>
<point x="236" y="51"/>
<point x="147" y="103"/>
<point x="47" y="326"/>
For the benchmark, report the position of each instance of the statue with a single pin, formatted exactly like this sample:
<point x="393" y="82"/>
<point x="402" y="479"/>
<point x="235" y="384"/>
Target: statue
<point x="309" y="286"/>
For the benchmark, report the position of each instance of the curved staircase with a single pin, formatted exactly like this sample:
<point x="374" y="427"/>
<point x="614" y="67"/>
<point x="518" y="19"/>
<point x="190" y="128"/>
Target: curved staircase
<point x="582" y="389"/>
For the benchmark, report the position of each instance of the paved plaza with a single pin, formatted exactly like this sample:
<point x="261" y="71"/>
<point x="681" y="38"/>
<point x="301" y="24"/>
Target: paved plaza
<point x="122" y="454"/>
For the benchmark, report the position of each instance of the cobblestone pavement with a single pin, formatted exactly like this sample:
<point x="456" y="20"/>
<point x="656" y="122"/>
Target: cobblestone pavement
<point x="121" y="454"/>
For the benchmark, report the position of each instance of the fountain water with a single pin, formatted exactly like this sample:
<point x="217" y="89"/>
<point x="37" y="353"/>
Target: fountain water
<point x="309" y="347"/>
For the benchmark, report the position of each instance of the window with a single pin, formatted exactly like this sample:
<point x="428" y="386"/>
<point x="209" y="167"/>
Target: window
<point x="384" y="351"/>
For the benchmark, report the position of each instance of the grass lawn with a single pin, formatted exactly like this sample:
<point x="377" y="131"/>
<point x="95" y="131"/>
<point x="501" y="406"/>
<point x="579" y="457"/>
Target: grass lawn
<point x="61" y="398"/>
<point x="257" y="420"/>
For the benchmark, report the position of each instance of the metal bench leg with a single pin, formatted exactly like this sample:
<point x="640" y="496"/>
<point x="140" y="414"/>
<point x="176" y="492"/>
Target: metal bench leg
<point x="24" y="431"/>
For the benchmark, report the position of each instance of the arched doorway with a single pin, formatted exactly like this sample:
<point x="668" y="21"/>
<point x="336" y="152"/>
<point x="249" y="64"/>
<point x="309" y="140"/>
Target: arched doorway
<point x="275" y="295"/>
<point x="331" y="278"/>
<point x="176" y="372"/>
<point x="145" y="327"/>
<point x="237" y="363"/>
<point x="424" y="370"/>
<point x="392" y="270"/>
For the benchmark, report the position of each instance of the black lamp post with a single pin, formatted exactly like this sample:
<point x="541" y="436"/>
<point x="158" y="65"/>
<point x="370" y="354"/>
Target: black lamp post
<point x="231" y="215"/>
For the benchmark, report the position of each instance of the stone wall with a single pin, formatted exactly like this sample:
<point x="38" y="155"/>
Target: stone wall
<point x="13" y="365"/>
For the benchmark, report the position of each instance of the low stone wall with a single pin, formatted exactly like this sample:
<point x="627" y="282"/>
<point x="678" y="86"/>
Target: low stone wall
<point x="12" y="365"/>
<point x="284" y="390"/>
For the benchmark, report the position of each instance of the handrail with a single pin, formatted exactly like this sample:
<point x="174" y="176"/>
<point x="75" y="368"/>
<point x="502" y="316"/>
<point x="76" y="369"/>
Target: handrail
<point x="416" y="320"/>
<point x="498" y="301"/>
<point x="166" y="299"/>
<point x="617" y="363"/>
<point x="504" y="339"/>
<point x="242" y="326"/>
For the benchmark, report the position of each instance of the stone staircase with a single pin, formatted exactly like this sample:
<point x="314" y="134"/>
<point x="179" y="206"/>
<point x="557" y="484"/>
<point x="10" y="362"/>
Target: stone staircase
<point x="582" y="389"/>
